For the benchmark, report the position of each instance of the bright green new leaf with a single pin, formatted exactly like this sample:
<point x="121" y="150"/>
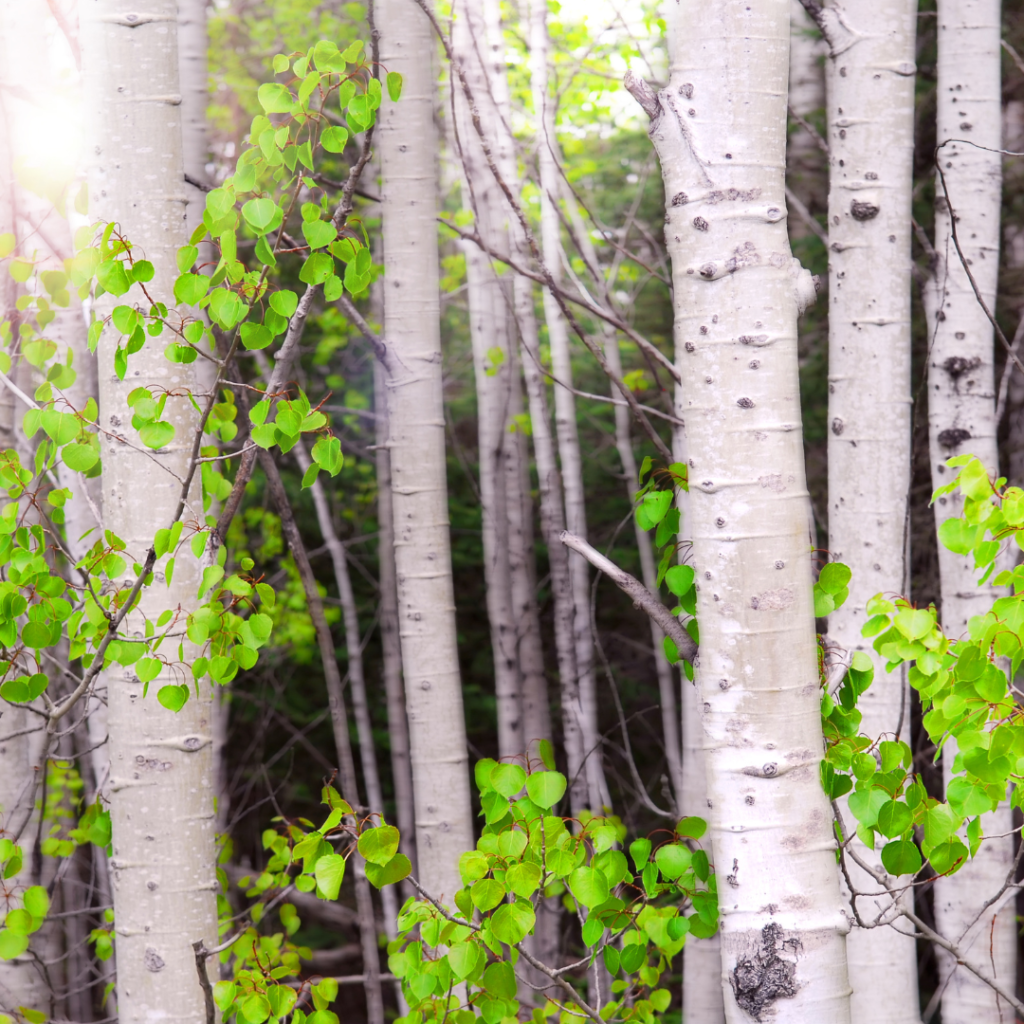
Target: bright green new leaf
<point x="546" y="788"/>
<point x="36" y="901"/>
<point x="894" y="818"/>
<point x="12" y="944"/>
<point x="173" y="697"/>
<point x="327" y="455"/>
<point x="679" y="579"/>
<point x="508" y="779"/>
<point x="36" y="635"/>
<point x="255" y="336"/>
<point x="691" y="828"/>
<point x="147" y="669"/>
<point x="901" y="858"/>
<point x="190" y="288"/>
<point x="589" y="886"/>
<point x="500" y="980"/>
<point x="224" y="994"/>
<point x="486" y="894"/>
<point x="512" y="922"/>
<point x="834" y="577"/>
<point x="394" y="871"/>
<point x="157" y="435"/>
<point x="379" y="845"/>
<point x="319" y="233"/>
<point x="7" y="243"/>
<point x="333" y="139"/>
<point x="329" y="872"/>
<point x="473" y="865"/>
<point x="317" y="268"/>
<point x="672" y="860"/>
<point x="640" y="851"/>
<point x="523" y="879"/>
<point x="463" y="959"/>
<point x="284" y="302"/>
<point x="79" y="457"/>
<point x="260" y="213"/>
<point x="275" y="98"/>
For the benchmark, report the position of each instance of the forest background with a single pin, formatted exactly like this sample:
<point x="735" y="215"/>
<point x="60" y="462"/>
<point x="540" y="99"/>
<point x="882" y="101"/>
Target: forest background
<point x="278" y="746"/>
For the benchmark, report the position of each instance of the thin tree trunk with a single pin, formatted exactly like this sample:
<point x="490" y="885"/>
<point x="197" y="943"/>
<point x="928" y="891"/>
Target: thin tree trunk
<point x="163" y="819"/>
<point x="961" y="419"/>
<point x="565" y="404"/>
<point x="412" y="364"/>
<point x="720" y="126"/>
<point x="805" y="162"/>
<point x="398" y="725"/>
<point x="871" y="144"/>
<point x="490" y="323"/>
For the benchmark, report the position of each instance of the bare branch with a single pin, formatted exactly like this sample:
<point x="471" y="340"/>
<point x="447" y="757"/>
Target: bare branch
<point x="642" y="597"/>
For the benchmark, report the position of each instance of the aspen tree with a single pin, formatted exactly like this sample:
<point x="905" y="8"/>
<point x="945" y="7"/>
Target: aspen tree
<point x="407" y="145"/>
<point x="490" y="332"/>
<point x="565" y="400"/>
<point x="161" y="788"/>
<point x="870" y="115"/>
<point x="719" y="129"/>
<point x="961" y="420"/>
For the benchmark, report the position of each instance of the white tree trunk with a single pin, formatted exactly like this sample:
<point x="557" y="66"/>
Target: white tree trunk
<point x="720" y="131"/>
<point x="494" y="368"/>
<point x="961" y="419"/>
<point x="398" y="725"/>
<point x="870" y="75"/>
<point x="161" y="763"/>
<point x="408" y="148"/>
<point x="565" y="402"/>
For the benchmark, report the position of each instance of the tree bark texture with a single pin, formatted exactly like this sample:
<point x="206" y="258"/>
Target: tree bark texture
<point x="163" y="862"/>
<point x="719" y="129"/>
<point x="961" y="418"/>
<point x="870" y="77"/>
<point x="437" y="736"/>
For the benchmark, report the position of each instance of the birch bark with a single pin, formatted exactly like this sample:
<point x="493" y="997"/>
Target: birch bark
<point x="870" y="112"/>
<point x="961" y="419"/>
<point x="412" y="364"/>
<point x="161" y="789"/>
<point x="565" y="403"/>
<point x="719" y="128"/>
<point x="489" y="321"/>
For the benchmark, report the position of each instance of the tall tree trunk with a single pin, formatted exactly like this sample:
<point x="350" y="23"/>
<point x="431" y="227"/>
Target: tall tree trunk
<point x="720" y="131"/>
<point x="870" y="75"/>
<point x="489" y="323"/>
<point x="565" y="403"/>
<point x="961" y="419"/>
<point x="394" y="690"/>
<point x="412" y="363"/>
<point x="805" y="162"/>
<point x="161" y="762"/>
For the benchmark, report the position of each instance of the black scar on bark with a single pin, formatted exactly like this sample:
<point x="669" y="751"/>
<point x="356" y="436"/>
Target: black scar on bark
<point x="763" y="976"/>
<point x="953" y="437"/>
<point x="863" y="210"/>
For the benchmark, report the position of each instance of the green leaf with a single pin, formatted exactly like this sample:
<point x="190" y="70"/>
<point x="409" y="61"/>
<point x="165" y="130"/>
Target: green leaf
<point x="589" y="886"/>
<point x="901" y="858"/>
<point x="463" y="959"/>
<point x="190" y="288"/>
<point x="655" y="506"/>
<point x="512" y="922"/>
<point x="309" y="477"/>
<point x="36" y="635"/>
<point x="834" y="577"/>
<point x="394" y="80"/>
<point x="948" y="857"/>
<point x="672" y="860"/>
<point x="329" y="872"/>
<point x="486" y="894"/>
<point x="260" y="213"/>
<point x="473" y="865"/>
<point x="499" y="980"/>
<point x="112" y="277"/>
<point x="173" y="697"/>
<point x="394" y="871"/>
<point x="255" y="336"/>
<point x="284" y="302"/>
<point x="640" y="851"/>
<point x="379" y="845"/>
<point x="327" y="454"/>
<point x="7" y="244"/>
<point x="523" y="879"/>
<point x="275" y="98"/>
<point x="894" y="818"/>
<point x="546" y="752"/>
<point x="157" y="435"/>
<point x="187" y="256"/>
<point x="12" y="944"/>
<point x="319" y="233"/>
<point x="691" y="828"/>
<point x="79" y="457"/>
<point x="36" y="901"/>
<point x="545" y="789"/>
<point x="147" y="669"/>
<point x="679" y="579"/>
<point x="224" y="994"/>
<point x="508" y="779"/>
<point x="317" y="268"/>
<point x="333" y="139"/>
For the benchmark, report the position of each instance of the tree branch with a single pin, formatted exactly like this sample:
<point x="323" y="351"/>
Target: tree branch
<point x="642" y="597"/>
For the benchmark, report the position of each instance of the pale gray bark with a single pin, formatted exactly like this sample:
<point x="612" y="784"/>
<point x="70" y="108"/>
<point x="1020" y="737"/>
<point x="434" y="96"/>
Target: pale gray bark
<point x="870" y="76"/>
<point x="961" y="415"/>
<point x="161" y="789"/>
<point x="719" y="128"/>
<point x="412" y="364"/>
<point x="490" y="333"/>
